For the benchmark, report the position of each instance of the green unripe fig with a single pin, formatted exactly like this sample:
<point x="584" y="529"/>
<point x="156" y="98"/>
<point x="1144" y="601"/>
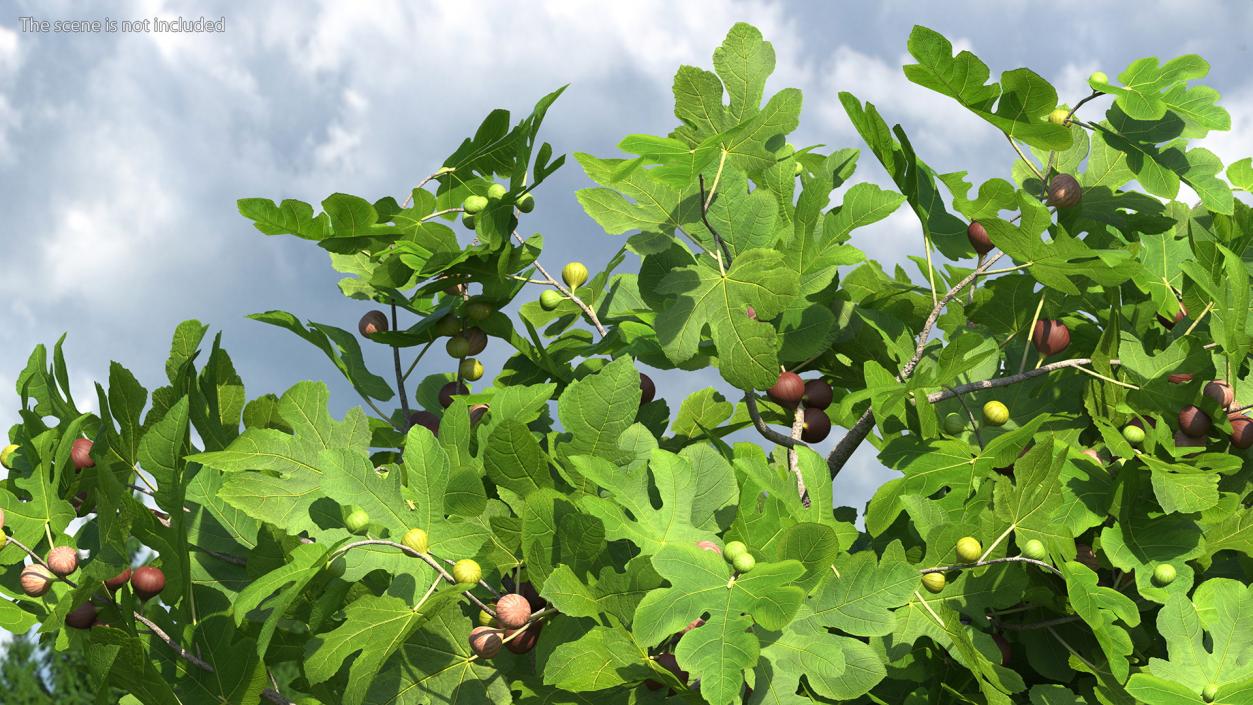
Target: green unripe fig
<point x="969" y="549"/>
<point x="337" y="567"/>
<point x="574" y="274"/>
<point x="1210" y="692"/>
<point x="1133" y="434"/>
<point x="486" y="619"/>
<point x="1098" y="77"/>
<point x="1034" y="549"/>
<point x="744" y="562"/>
<point x="799" y="169"/>
<point x="4" y="538"/>
<point x="954" y="423"/>
<point x="468" y="221"/>
<point x="416" y="539"/>
<point x="1059" y="116"/>
<point x="995" y="413"/>
<point x="526" y="203"/>
<point x="357" y="520"/>
<point x="1164" y="574"/>
<point x="934" y="582"/>
<point x="467" y="571"/>
<point x="479" y="310"/>
<point x="495" y="191"/>
<point x="473" y="204"/>
<point x="550" y="299"/>
<point x="448" y="325"/>
<point x="471" y="369"/>
<point x="6" y="456"/>
<point x="458" y="346"/>
<point x="733" y="549"/>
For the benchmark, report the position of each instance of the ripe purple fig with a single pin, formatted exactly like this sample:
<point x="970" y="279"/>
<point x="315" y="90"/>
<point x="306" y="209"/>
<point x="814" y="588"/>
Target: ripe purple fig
<point x="485" y="642"/>
<point x="817" y="426"/>
<point x="372" y="322"/>
<point x="450" y="390"/>
<point x="787" y="390"/>
<point x="118" y="580"/>
<point x="36" y="580"/>
<point x="1221" y="393"/>
<point x="81" y="617"/>
<point x="63" y="560"/>
<point x="1064" y="191"/>
<point x="1194" y="422"/>
<point x="425" y="419"/>
<point x="1183" y="440"/>
<point x="1241" y="431"/>
<point x="477" y="340"/>
<point x="1050" y="337"/>
<point x="978" y="237"/>
<point x="147" y="582"/>
<point x="513" y="611"/>
<point x="80" y="454"/>
<point x="648" y="390"/>
<point x="1169" y="324"/>
<point x="1085" y="555"/>
<point x="818" y="394"/>
<point x="1003" y="644"/>
<point x="525" y="641"/>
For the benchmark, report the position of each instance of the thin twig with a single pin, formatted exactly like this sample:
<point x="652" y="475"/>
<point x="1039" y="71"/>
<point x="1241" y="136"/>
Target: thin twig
<point x="568" y="293"/>
<point x="1011" y="379"/>
<point x="440" y="172"/>
<point x="400" y="377"/>
<point x="704" y="216"/>
<point x="750" y="400"/>
<point x="184" y="654"/>
<point x="1034" y="169"/>
<point x="418" y="359"/>
<point x="993" y="561"/>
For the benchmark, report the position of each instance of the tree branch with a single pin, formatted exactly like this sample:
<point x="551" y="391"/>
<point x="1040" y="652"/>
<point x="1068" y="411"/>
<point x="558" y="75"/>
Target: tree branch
<point x="750" y="400"/>
<point x="1012" y="379"/>
<point x="994" y="561"/>
<point x="587" y="310"/>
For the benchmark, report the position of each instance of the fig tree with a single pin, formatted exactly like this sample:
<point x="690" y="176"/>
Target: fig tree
<point x="969" y="549"/>
<point x="744" y="563"/>
<point x="372" y="322"/>
<point x="36" y="580"/>
<point x="513" y="611"/>
<point x="63" y="560"/>
<point x="474" y="203"/>
<point x="934" y="582"/>
<point x="574" y="274"/>
<point x="1064" y="191"/>
<point x="416" y="539"/>
<point x="1194" y="422"/>
<point x="995" y="413"/>
<point x="357" y="520"/>
<point x="648" y="390"/>
<point x="80" y="454"/>
<point x="1034" y="549"/>
<point x="147" y="582"/>
<point x="1164" y="574"/>
<point x="470" y="369"/>
<point x="550" y="299"/>
<point x="450" y="390"/>
<point x="81" y="617"/>
<point x="467" y="571"/>
<point x="1050" y="337"/>
<point x="426" y="420"/>
<point x="978" y="237"/>
<point x="818" y="394"/>
<point x="1059" y="116"/>
<point x="496" y="191"/>
<point x="817" y="426"/>
<point x="1221" y="392"/>
<point x="954" y="423"/>
<point x="788" y="389"/>
<point x="6" y="456"/>
<point x="485" y="642"/>
<point x="526" y="203"/>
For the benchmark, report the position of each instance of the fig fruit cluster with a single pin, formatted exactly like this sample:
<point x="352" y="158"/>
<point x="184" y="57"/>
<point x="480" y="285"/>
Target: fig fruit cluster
<point x="816" y="395"/>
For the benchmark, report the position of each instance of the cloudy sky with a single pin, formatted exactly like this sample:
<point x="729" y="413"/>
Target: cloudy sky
<point x="122" y="155"/>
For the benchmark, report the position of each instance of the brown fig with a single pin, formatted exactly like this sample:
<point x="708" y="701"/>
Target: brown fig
<point x="81" y="617"/>
<point x="817" y="426"/>
<point x="476" y="338"/>
<point x="1002" y="643"/>
<point x="787" y="390"/>
<point x="818" y="394"/>
<point x="1168" y="323"/>
<point x="147" y="582"/>
<point x="1183" y="440"/>
<point x="1241" y="431"/>
<point x="372" y="322"/>
<point x="1194" y="422"/>
<point x="1085" y="555"/>
<point x="118" y="580"/>
<point x="1050" y="337"/>
<point x="425" y="419"/>
<point x="978" y="237"/>
<point x="1064" y="191"/>
<point x="476" y="412"/>
<point x="485" y="642"/>
<point x="36" y="580"/>
<point x="525" y="641"/>
<point x="63" y="560"/>
<point x="80" y="454"/>
<point x="450" y="390"/>
<point x="1179" y="378"/>
<point x="648" y="390"/>
<point x="513" y="611"/>
<point x="1221" y="393"/>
